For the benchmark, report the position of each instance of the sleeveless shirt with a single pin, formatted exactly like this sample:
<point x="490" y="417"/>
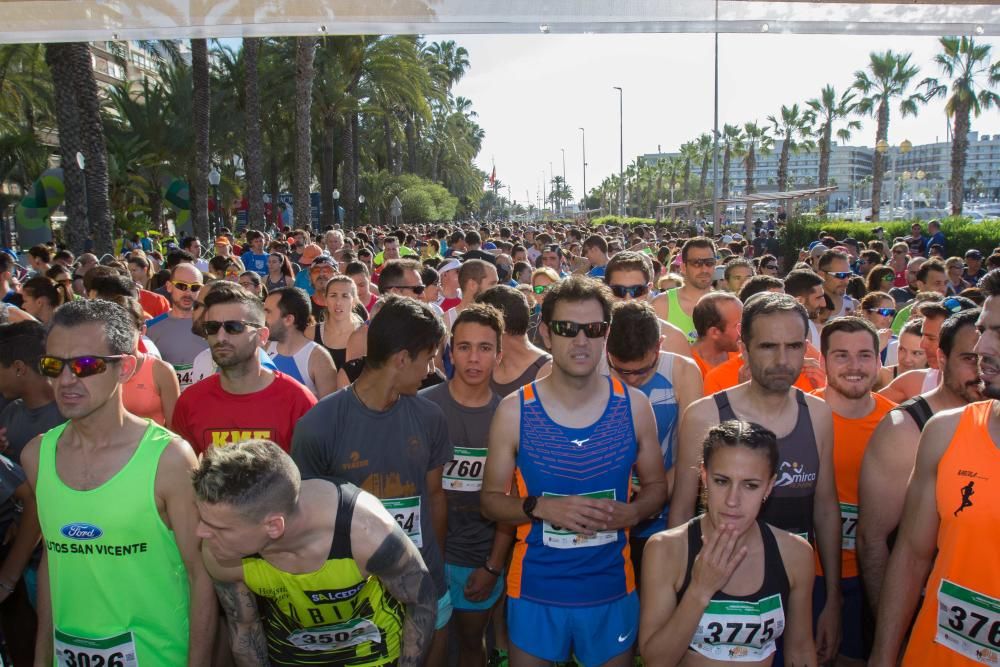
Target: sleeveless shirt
<point x="790" y="506"/>
<point x="678" y="317"/>
<point x="339" y="354"/>
<point x="741" y="628"/>
<point x="141" y="396"/>
<point x="295" y="366"/>
<point x="331" y="616"/>
<point x="118" y="586"/>
<point x="959" y="621"/>
<point x="528" y="376"/>
<point x="549" y="562"/>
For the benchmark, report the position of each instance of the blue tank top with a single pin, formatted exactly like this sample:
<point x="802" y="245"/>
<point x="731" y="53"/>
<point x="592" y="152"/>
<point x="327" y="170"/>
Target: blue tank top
<point x="659" y="389"/>
<point x="550" y="563"/>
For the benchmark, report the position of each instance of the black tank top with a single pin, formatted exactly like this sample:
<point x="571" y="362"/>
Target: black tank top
<point x="339" y="354"/>
<point x="790" y="506"/>
<point x="761" y="627"/>
<point x="527" y="377"/>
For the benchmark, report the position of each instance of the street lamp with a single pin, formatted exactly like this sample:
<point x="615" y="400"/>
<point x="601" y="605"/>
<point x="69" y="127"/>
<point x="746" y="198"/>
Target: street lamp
<point x="584" y="139"/>
<point x="562" y="199"/>
<point x="621" y="149"/>
<point x="361" y="204"/>
<point x="883" y="147"/>
<point x="214" y="178"/>
<point x="81" y="162"/>
<point x="336" y="206"/>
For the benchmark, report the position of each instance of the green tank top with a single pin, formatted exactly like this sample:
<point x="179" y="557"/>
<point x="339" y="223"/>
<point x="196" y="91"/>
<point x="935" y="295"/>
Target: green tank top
<point x="678" y="317"/>
<point x="333" y="616"/>
<point x="118" y="585"/>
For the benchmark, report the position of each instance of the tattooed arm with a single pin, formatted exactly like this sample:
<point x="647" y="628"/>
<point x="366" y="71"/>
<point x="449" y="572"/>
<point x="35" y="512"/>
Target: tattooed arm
<point x="381" y="548"/>
<point x="246" y="634"/>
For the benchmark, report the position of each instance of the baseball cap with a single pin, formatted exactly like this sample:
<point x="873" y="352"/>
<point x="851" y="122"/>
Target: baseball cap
<point x="818" y="250"/>
<point x="222" y="240"/>
<point x="972" y="253"/>
<point x="323" y="260"/>
<point x="309" y="254"/>
<point x="727" y="239"/>
<point x="450" y="264"/>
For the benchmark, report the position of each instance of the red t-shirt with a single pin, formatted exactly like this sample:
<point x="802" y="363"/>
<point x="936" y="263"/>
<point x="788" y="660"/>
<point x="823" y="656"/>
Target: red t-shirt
<point x="449" y="303"/>
<point x="207" y="415"/>
<point x="154" y="304"/>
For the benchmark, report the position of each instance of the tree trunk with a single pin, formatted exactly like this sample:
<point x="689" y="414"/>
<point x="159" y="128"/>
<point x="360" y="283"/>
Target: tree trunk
<point x="959" y="146"/>
<point x="704" y="177"/>
<point x="254" y="160"/>
<point x="878" y="161"/>
<point x="275" y="183"/>
<point x="387" y="138"/>
<point x="687" y="177"/>
<point x="76" y="229"/>
<point x="348" y="175"/>
<point x="352" y="193"/>
<point x="411" y="144"/>
<point x="305" y="54"/>
<point x="751" y="164"/>
<point x="783" y="164"/>
<point x="727" y="156"/>
<point x="824" y="163"/>
<point x="327" y="212"/>
<point x="200" y="105"/>
<point x="156" y="207"/>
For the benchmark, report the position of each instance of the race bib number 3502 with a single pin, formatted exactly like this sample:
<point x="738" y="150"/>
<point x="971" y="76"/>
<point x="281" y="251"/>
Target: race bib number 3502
<point x="968" y="622"/>
<point x="72" y="651"/>
<point x="333" y="637"/>
<point x="737" y="631"/>
<point x="465" y="471"/>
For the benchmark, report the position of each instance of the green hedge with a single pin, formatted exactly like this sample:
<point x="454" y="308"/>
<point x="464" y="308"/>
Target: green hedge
<point x="960" y="234"/>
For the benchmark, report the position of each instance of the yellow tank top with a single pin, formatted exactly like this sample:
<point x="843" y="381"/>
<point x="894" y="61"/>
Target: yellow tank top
<point x="332" y="616"/>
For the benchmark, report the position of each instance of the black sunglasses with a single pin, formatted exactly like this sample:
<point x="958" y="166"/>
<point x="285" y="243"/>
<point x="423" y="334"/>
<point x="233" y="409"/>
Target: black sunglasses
<point x="568" y="329"/>
<point x="706" y="263"/>
<point x="638" y="371"/>
<point x="232" y="327"/>
<point x="634" y="291"/>
<point x="81" y="367"/>
<point x="416" y="289"/>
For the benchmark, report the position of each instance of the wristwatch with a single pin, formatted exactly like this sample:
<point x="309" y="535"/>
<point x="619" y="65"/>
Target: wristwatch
<point x="529" y="507"/>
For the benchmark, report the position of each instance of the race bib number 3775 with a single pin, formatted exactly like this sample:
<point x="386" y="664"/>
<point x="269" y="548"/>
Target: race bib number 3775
<point x="71" y="651"/>
<point x="968" y="622"/>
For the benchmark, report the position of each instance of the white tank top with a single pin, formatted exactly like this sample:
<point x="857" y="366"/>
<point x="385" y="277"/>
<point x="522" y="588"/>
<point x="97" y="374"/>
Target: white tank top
<point x="295" y="366"/>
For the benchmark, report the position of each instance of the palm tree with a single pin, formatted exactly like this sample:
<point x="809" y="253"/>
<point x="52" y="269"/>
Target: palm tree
<point x="253" y="160"/>
<point x="59" y="59"/>
<point x="968" y="65"/>
<point x="305" y="54"/>
<point x="756" y="141"/>
<point x="689" y="152"/>
<point x="888" y="76"/>
<point x="704" y="146"/>
<point x="732" y="138"/>
<point x="794" y="130"/>
<point x="826" y="111"/>
<point x="200" y="120"/>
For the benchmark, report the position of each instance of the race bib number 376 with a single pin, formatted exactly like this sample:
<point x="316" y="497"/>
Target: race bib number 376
<point x="968" y="622"/>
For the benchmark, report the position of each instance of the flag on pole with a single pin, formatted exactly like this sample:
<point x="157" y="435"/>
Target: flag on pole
<point x="493" y="176"/>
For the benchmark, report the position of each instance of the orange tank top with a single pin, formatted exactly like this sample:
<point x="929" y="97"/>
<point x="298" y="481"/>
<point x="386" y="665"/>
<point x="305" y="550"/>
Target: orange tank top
<point x="959" y="622"/>
<point x="850" y="439"/>
<point x="141" y="395"/>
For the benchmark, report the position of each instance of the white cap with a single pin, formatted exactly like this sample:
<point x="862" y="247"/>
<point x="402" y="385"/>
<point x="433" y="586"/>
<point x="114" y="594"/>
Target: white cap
<point x="727" y="239"/>
<point x="450" y="264"/>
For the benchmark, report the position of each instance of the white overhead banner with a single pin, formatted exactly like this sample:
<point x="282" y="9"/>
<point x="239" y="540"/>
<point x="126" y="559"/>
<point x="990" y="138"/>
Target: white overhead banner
<point x="97" y="20"/>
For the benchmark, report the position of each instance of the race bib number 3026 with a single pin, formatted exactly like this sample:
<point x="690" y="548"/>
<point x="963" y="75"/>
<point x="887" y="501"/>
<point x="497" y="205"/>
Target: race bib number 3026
<point x="968" y="622"/>
<point x="72" y="651"/>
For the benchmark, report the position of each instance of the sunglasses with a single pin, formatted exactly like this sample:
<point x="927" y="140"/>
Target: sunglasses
<point x="81" y="367"/>
<point x="884" y="312"/>
<point x="637" y="371"/>
<point x="232" y="327"/>
<point x="634" y="291"/>
<point x="416" y="289"/>
<point x="540" y="289"/>
<point x="568" y="329"/>
<point x="839" y="275"/>
<point x="706" y="263"/>
<point x="771" y="267"/>
<point x="184" y="287"/>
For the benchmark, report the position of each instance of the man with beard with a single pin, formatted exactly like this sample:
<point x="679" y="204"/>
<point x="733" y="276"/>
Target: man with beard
<point x="804" y="499"/>
<point x="891" y="451"/>
<point x="570" y="442"/>
<point x="850" y="347"/>
<point x="949" y="525"/>
<point x="835" y="269"/>
<point x="244" y="400"/>
<point x="807" y="288"/>
<point x="171" y="332"/>
<point x="286" y="314"/>
<point x="676" y="306"/>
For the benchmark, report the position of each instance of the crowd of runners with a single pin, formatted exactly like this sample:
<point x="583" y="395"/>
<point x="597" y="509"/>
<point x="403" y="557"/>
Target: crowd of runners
<point x="501" y="444"/>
